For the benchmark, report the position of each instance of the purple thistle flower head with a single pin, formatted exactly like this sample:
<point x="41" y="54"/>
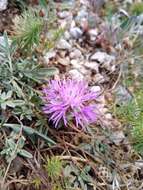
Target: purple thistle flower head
<point x="70" y="99"/>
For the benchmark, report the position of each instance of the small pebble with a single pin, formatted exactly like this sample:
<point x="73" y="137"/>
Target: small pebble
<point x="76" y="32"/>
<point x="75" y="74"/>
<point x="93" y="66"/>
<point x="64" y="61"/>
<point x="63" y="14"/>
<point x="93" y="34"/>
<point x="75" y="54"/>
<point x="3" y="5"/>
<point x="64" y="45"/>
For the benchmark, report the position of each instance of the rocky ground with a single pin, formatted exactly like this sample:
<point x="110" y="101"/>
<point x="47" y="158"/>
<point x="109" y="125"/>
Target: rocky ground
<point x="94" y="48"/>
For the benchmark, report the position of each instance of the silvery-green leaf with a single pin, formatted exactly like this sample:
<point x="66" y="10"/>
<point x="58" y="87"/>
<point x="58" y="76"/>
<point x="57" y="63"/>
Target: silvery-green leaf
<point x="8" y="95"/>
<point x="10" y="103"/>
<point x="25" y="153"/>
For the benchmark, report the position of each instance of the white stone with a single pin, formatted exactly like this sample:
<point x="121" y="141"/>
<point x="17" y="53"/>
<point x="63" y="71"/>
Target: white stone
<point x="84" y="71"/>
<point x="139" y="164"/>
<point x="102" y="57"/>
<point x="106" y="60"/>
<point x="82" y="14"/>
<point x="62" y="23"/>
<point x="74" y="63"/>
<point x="98" y="56"/>
<point x="96" y="89"/>
<point x="108" y="116"/>
<point x="75" y="74"/>
<point x="3" y="5"/>
<point x="73" y="24"/>
<point x="76" y="32"/>
<point x="64" y="45"/>
<point x="67" y="35"/>
<point x="77" y="64"/>
<point x="93" y="34"/>
<point x="64" y="61"/>
<point x="63" y="14"/>
<point x="50" y="54"/>
<point x="62" y="53"/>
<point x="99" y="78"/>
<point x="75" y="54"/>
<point x="93" y="66"/>
<point x="117" y="137"/>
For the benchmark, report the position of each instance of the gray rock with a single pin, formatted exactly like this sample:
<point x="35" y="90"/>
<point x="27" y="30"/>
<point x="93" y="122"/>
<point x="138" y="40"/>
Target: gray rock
<point x="96" y="5"/>
<point x="106" y="60"/>
<point x="62" y="53"/>
<point x="101" y="57"/>
<point x="3" y="5"/>
<point x="98" y="78"/>
<point x="63" y="14"/>
<point x="139" y="164"/>
<point x="96" y="89"/>
<point x="76" y="32"/>
<point x="85" y="71"/>
<point x="117" y="137"/>
<point x="48" y="56"/>
<point x="93" y="34"/>
<point x="82" y="14"/>
<point x="67" y="35"/>
<point x="108" y="116"/>
<point x="64" y="45"/>
<point x="93" y="66"/>
<point x="77" y="64"/>
<point x="64" y="61"/>
<point x="98" y="56"/>
<point x="80" y="69"/>
<point x="75" y="74"/>
<point x="75" y="54"/>
<point x="123" y="96"/>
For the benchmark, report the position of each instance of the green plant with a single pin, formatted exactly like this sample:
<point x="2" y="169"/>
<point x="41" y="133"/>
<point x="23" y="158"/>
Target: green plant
<point x="136" y="8"/>
<point x="19" y="77"/>
<point x="27" y="29"/>
<point x="20" y="3"/>
<point x="37" y="183"/>
<point x="14" y="146"/>
<point x="20" y="98"/>
<point x="53" y="167"/>
<point x="7" y="100"/>
<point x="110" y="9"/>
<point x="18" y="87"/>
<point x="31" y="133"/>
<point x="57" y="187"/>
<point x="78" y="178"/>
<point x="132" y="114"/>
<point x="31" y="31"/>
<point x="2" y="170"/>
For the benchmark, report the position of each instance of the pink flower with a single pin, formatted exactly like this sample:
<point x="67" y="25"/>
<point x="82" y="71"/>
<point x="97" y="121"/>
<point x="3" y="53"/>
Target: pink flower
<point x="70" y="100"/>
